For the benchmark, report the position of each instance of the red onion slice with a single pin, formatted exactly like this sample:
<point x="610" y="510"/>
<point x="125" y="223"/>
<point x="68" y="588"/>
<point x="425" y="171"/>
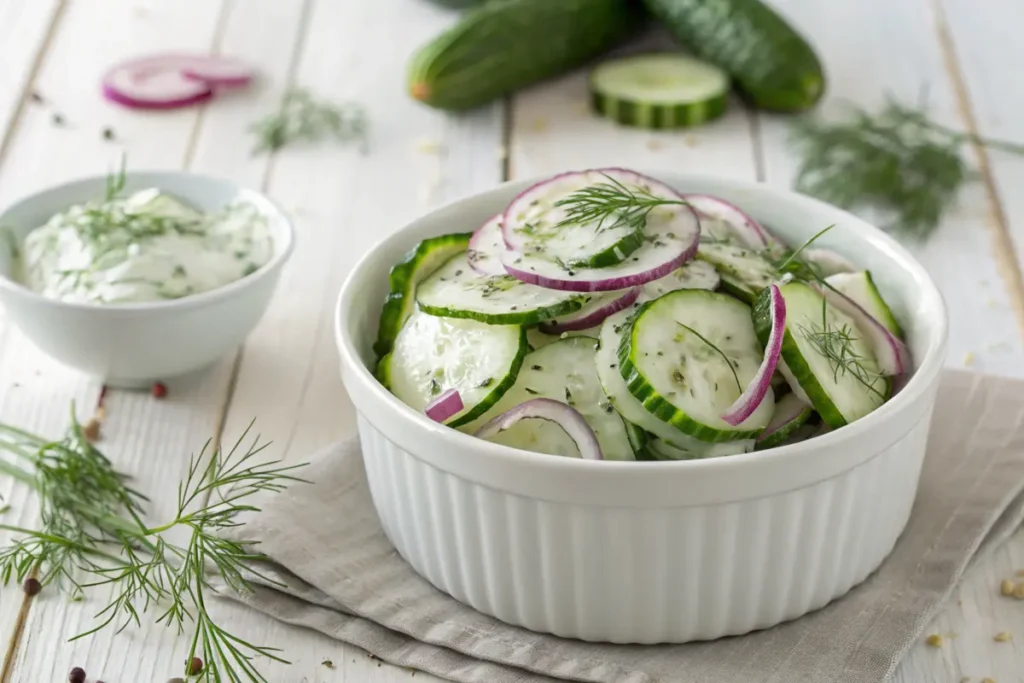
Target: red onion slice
<point x="485" y="246"/>
<point x="153" y="83"/>
<point x="444" y="406"/>
<point x="745" y="228"/>
<point x="216" y="71"/>
<point x="562" y="414"/>
<point x="758" y="387"/>
<point x="891" y="354"/>
<point x="593" y="313"/>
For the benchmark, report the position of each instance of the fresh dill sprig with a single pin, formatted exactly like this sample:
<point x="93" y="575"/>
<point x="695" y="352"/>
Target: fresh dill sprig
<point x="611" y="200"/>
<point x="719" y="351"/>
<point x="93" y="535"/>
<point x="301" y="116"/>
<point x="836" y="344"/>
<point x="897" y="160"/>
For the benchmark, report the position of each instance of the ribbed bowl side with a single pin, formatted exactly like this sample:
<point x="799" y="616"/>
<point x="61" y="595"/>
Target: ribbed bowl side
<point x="635" y="575"/>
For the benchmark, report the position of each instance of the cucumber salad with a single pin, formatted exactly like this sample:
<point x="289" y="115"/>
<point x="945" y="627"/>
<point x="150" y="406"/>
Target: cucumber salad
<point x="606" y="316"/>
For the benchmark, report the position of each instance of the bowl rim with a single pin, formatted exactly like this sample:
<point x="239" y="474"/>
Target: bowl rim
<point x="280" y="256"/>
<point x="916" y="387"/>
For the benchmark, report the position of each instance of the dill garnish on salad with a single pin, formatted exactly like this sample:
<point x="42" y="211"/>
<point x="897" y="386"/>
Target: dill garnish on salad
<point x="604" y="315"/>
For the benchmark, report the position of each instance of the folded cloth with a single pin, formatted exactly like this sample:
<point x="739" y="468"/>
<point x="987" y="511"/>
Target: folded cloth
<point x="339" y="574"/>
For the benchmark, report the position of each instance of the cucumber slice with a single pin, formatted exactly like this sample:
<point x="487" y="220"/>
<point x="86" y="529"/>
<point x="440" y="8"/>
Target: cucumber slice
<point x="790" y="414"/>
<point x="682" y="378"/>
<point x="825" y="356"/>
<point x="564" y="371"/>
<point x="433" y="354"/>
<point x="670" y="90"/>
<point x="613" y="330"/>
<point x="692" y="275"/>
<point x="419" y="262"/>
<point x="455" y="290"/>
<point x="538" y="339"/>
<point x="744" y="272"/>
<point x="696" y="450"/>
<point x="637" y="439"/>
<point x="861" y="288"/>
<point x="383" y="371"/>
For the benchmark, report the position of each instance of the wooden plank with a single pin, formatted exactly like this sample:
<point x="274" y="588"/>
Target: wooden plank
<point x="24" y="33"/>
<point x="149" y="440"/>
<point x="896" y="43"/>
<point x="981" y="50"/>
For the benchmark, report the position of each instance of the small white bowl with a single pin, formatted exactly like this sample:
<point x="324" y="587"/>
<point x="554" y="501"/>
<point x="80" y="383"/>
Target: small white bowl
<point x="648" y="552"/>
<point x="135" y="344"/>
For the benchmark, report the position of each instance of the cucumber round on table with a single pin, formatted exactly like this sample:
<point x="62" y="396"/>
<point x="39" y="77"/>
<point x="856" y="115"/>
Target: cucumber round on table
<point x="505" y="45"/>
<point x="688" y="357"/>
<point x="745" y="273"/>
<point x="774" y="66"/>
<point x="419" y="262"/>
<point x="432" y="355"/>
<point x="657" y="91"/>
<point x="455" y="290"/>
<point x="825" y="355"/>
<point x="860" y="287"/>
<point x="563" y="371"/>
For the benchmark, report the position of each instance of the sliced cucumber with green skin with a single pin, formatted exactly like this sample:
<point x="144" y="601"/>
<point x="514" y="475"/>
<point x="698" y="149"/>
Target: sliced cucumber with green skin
<point x="668" y="450"/>
<point x="790" y="414"/>
<point x="744" y="273"/>
<point x="861" y="288"/>
<point x="612" y="332"/>
<point x="691" y="275"/>
<point x="419" y="262"/>
<point x="680" y="377"/>
<point x="538" y="339"/>
<point x="433" y="354"/>
<point x="773" y="65"/>
<point x="614" y="328"/>
<point x="383" y="371"/>
<point x="637" y="439"/>
<point x="818" y="336"/>
<point x="670" y="90"/>
<point x="563" y="371"/>
<point x="455" y="290"/>
<point x="505" y="45"/>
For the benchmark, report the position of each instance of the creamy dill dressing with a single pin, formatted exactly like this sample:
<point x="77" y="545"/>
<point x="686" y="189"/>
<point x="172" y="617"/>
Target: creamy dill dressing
<point x="147" y="246"/>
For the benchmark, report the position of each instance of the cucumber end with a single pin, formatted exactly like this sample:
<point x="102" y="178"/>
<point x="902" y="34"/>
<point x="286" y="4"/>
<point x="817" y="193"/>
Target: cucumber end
<point x="419" y="91"/>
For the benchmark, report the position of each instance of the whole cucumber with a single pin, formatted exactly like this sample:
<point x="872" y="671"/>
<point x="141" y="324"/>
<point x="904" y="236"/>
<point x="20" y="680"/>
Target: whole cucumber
<point x="505" y="45"/>
<point x="773" y="66"/>
<point x="458" y="4"/>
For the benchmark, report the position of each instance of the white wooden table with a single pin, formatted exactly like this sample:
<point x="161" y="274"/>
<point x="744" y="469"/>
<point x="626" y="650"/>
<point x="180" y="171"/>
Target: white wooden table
<point x="967" y="53"/>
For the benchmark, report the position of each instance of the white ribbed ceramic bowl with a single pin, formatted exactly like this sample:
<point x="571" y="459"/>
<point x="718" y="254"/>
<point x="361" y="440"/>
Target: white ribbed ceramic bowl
<point x="648" y="552"/>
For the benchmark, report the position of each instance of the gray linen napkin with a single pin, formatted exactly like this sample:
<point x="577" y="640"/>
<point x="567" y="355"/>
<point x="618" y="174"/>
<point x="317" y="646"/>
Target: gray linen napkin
<point x="344" y="578"/>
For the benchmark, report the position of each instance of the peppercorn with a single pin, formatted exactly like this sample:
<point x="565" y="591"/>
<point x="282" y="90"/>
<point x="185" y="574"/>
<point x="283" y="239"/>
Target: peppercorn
<point x="31" y="586"/>
<point x="195" y="666"/>
<point x="159" y="390"/>
<point x="77" y="675"/>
